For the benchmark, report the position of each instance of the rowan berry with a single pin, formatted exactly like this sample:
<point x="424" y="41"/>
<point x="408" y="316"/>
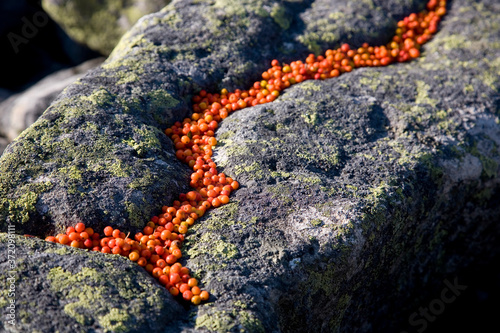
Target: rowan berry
<point x="80" y="227"/>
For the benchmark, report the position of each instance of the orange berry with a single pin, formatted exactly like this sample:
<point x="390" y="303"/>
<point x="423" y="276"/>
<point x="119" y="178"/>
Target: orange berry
<point x="134" y="256"/>
<point x="174" y="291"/>
<point x="89" y="231"/>
<point x="108" y="231"/>
<point x="184" y="287"/>
<point x="75" y="243"/>
<point x="187" y="295"/>
<point x="192" y="282"/>
<point x="142" y="261"/>
<point x="204" y="295"/>
<point x="70" y="230"/>
<point x="80" y="227"/>
<point x="196" y="290"/>
<point x="74" y="236"/>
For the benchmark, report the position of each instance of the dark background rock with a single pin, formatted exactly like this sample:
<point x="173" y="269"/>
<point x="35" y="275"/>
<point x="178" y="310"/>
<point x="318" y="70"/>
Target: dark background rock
<point x="360" y="195"/>
<point x="30" y="52"/>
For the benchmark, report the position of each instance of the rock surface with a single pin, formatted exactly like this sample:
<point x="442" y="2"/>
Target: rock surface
<point x="21" y="110"/>
<point x="99" y="24"/>
<point x="360" y="195"/>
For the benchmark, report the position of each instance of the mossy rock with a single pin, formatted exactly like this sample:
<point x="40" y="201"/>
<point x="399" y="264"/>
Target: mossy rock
<point x="359" y="196"/>
<point x="99" y="24"/>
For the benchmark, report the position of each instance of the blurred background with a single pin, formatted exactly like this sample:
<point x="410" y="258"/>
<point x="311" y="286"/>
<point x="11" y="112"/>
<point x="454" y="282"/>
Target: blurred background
<point x="48" y="44"/>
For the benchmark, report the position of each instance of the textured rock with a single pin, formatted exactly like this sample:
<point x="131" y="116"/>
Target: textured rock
<point x="360" y="195"/>
<point x="21" y="110"/>
<point x="99" y="24"/>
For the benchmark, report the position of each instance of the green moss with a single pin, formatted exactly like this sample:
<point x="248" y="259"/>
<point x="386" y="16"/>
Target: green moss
<point x="19" y="208"/>
<point x="136" y="215"/>
<point x="279" y="15"/>
<point x="71" y="172"/>
<point x="454" y="42"/>
<point x="224" y="249"/>
<point x="328" y="156"/>
<point x="215" y="322"/>
<point x="372" y="81"/>
<point x="423" y="94"/>
<point x="145" y="140"/>
<point x="105" y="298"/>
<point x="144" y="181"/>
<point x="310" y="40"/>
<point x="100" y="97"/>
<point x="280" y="174"/>
<point x="86" y="296"/>
<point x="225" y="136"/>
<point x="254" y="170"/>
<point x="240" y="304"/>
<point x="250" y="322"/>
<point x="172" y="19"/>
<point x="281" y="191"/>
<point x="490" y="167"/>
<point x="311" y="118"/>
<point x="60" y="249"/>
<point x="223" y="217"/>
<point x="490" y="79"/>
<point x="316" y="223"/>
<point x="119" y="169"/>
<point x="231" y="8"/>
<point x="214" y="246"/>
<point x="160" y="100"/>
<point x="115" y="321"/>
<point x="468" y="88"/>
<point x="321" y="281"/>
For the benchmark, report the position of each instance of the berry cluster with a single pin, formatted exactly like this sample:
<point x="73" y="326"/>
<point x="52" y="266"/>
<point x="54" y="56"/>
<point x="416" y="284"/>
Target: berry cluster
<point x="158" y="247"/>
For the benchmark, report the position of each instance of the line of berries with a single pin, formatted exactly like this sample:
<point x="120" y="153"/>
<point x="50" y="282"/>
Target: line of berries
<point x="157" y="250"/>
<point x="158" y="246"/>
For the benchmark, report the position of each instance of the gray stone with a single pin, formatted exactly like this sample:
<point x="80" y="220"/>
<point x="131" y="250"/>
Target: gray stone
<point x="21" y="110"/>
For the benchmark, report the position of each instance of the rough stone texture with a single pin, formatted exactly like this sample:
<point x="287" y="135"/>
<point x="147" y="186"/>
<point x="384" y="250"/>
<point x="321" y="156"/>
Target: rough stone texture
<point x="21" y="110"/>
<point x="360" y="195"/>
<point x="99" y="24"/>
